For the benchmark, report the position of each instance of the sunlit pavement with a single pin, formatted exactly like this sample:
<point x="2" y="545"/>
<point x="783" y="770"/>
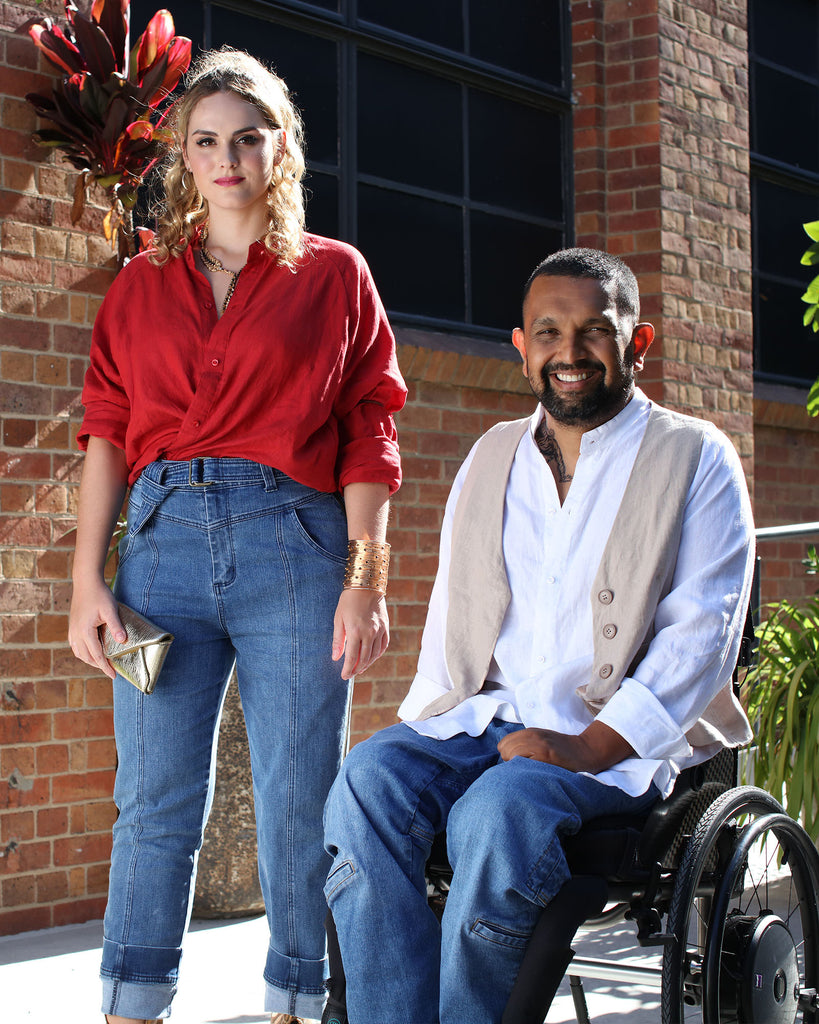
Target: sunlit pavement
<point x="50" y="976"/>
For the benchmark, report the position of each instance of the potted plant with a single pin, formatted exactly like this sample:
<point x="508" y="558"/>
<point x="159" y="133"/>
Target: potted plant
<point x="783" y="705"/>
<point x="107" y="107"/>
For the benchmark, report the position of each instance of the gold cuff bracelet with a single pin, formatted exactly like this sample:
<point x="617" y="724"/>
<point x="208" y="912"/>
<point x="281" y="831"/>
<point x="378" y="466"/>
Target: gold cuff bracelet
<point x="368" y="564"/>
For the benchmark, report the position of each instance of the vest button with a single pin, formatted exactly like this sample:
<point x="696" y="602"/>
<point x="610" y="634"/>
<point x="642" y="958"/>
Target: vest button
<point x="610" y="631"/>
<point x="605" y="671"/>
<point x="605" y="596"/>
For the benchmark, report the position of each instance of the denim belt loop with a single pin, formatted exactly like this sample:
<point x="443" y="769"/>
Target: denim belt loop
<point x="269" y="477"/>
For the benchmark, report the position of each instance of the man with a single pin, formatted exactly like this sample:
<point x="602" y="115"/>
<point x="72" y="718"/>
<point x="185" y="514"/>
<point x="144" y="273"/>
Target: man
<point x="594" y="573"/>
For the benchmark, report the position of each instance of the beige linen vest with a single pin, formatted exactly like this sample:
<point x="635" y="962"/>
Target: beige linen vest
<point x="634" y="574"/>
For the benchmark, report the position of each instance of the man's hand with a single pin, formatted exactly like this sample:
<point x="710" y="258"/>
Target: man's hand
<point x="597" y="748"/>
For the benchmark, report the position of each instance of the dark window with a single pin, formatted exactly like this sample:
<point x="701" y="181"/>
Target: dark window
<point x="784" y="66"/>
<point x="438" y="137"/>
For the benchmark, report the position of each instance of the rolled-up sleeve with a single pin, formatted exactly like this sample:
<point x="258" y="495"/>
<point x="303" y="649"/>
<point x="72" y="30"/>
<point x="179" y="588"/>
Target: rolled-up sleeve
<point x="107" y="407"/>
<point x="372" y="390"/>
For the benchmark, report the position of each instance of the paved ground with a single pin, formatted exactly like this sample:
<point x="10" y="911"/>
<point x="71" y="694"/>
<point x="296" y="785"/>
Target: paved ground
<point x="50" y="977"/>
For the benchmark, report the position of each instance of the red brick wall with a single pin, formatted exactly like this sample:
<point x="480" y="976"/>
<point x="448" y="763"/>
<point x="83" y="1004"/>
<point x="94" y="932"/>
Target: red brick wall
<point x="661" y="164"/>
<point x="56" y="753"/>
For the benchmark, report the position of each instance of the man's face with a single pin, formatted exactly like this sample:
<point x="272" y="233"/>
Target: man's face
<point x="579" y="354"/>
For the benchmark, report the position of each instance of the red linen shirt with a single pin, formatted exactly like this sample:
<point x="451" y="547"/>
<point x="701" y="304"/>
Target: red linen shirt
<point x="299" y="373"/>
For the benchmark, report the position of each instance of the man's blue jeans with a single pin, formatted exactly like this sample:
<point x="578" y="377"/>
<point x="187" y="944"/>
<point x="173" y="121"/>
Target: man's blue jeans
<point x="246" y="569"/>
<point x="503" y="821"/>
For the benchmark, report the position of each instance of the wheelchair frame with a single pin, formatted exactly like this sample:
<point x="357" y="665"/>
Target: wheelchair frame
<point x="716" y="875"/>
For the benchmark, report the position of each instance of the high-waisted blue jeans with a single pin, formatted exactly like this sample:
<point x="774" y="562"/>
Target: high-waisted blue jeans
<point x="503" y="819"/>
<point x="243" y="564"/>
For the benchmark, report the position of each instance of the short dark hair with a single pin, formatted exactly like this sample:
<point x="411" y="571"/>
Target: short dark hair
<point x="593" y="263"/>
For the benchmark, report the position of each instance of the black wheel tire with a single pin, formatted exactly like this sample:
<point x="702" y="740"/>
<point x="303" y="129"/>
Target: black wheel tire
<point x="708" y="881"/>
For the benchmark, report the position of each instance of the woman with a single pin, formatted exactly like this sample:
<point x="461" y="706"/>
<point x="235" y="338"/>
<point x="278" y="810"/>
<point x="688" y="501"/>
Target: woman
<point x="242" y="378"/>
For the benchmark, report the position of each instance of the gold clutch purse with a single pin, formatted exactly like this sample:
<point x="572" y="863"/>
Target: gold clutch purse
<point x="140" y="658"/>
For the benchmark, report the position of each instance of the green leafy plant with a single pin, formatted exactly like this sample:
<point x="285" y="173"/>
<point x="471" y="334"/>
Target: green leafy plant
<point x="783" y="705"/>
<point x="106" y="106"/>
<point x="810" y="258"/>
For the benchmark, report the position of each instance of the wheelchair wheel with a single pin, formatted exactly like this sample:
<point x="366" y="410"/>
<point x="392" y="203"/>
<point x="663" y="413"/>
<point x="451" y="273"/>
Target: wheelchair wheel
<point x="744" y="919"/>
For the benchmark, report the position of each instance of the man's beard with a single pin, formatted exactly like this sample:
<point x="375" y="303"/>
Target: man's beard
<point x="593" y="408"/>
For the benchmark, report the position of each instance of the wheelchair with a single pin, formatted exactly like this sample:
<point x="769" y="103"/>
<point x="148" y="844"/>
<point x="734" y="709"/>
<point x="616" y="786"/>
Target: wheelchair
<point x="716" y="876"/>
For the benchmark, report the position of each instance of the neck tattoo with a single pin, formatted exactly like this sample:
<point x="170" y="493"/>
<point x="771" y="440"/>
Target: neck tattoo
<point x="550" y="450"/>
<point x="215" y="265"/>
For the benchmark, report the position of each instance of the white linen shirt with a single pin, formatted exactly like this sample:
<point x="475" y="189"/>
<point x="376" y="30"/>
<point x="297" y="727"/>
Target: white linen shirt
<point x="545" y="647"/>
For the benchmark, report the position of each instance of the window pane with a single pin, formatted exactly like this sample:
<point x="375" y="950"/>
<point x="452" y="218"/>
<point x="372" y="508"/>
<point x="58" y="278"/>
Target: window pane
<point x="784" y="347"/>
<point x="787" y="33"/>
<point x="415" y="249"/>
<point x="525" y="175"/>
<point x="307" y="63"/>
<point x="786" y="118"/>
<point x="435" y="21"/>
<point x="409" y="126"/>
<point x="504" y="254"/>
<point x="779" y="214"/>
<point x="521" y="35"/>
<point x="321" y="194"/>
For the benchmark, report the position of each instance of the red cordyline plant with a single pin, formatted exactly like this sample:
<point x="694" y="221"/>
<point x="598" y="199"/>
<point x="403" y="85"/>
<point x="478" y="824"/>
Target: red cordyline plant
<point x="106" y="107"/>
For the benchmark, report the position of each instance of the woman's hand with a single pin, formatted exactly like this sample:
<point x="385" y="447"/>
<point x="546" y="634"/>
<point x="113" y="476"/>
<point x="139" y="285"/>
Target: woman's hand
<point x="92" y="606"/>
<point x="361" y="630"/>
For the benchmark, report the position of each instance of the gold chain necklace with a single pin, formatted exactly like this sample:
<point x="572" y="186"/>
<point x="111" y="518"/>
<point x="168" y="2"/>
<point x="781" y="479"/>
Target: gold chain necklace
<point x="215" y="265"/>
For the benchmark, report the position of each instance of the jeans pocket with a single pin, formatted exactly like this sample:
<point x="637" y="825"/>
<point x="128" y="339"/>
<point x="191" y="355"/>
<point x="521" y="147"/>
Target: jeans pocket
<point x="322" y="524"/>
<point x="338" y="877"/>
<point x="500" y="935"/>
<point x="140" y="509"/>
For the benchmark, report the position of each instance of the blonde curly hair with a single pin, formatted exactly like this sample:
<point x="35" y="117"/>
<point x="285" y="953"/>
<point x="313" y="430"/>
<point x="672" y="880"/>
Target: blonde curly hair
<point x="184" y="210"/>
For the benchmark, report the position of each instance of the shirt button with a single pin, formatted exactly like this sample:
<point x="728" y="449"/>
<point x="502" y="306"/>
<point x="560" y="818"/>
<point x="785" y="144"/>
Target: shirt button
<point x="605" y="671"/>
<point x="610" y="631"/>
<point x="550" y="579"/>
<point x="605" y="596"/>
<point x="531" y="705"/>
<point x="542" y="659"/>
<point x="214" y="362"/>
<point x="208" y="305"/>
<point x="196" y="423"/>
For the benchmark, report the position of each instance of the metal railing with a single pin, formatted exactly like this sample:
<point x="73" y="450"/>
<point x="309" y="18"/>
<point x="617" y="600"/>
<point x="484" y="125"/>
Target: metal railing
<point x="791" y="530"/>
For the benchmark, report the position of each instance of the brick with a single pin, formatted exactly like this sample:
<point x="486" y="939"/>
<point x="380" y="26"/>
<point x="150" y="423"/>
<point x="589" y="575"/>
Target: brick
<point x="19" y="760"/>
<point x="100" y="817"/>
<point x="81" y="850"/>
<point x="17" y="892"/>
<point x="97" y="879"/>
<point x="52" y="821"/>
<point x="16" y="729"/>
<point x="76" y="724"/>
<point x="19" y="629"/>
<point x="72" y="340"/>
<point x="16" y="826"/>
<point x="79" y="911"/>
<point x="52" y="758"/>
<point x="51" y="887"/>
<point x="89" y="786"/>
<point x="12" y="922"/>
<point x="52" y="628"/>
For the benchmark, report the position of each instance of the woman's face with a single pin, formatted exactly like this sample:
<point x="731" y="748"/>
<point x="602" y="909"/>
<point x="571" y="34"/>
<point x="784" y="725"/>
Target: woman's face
<point x="231" y="152"/>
